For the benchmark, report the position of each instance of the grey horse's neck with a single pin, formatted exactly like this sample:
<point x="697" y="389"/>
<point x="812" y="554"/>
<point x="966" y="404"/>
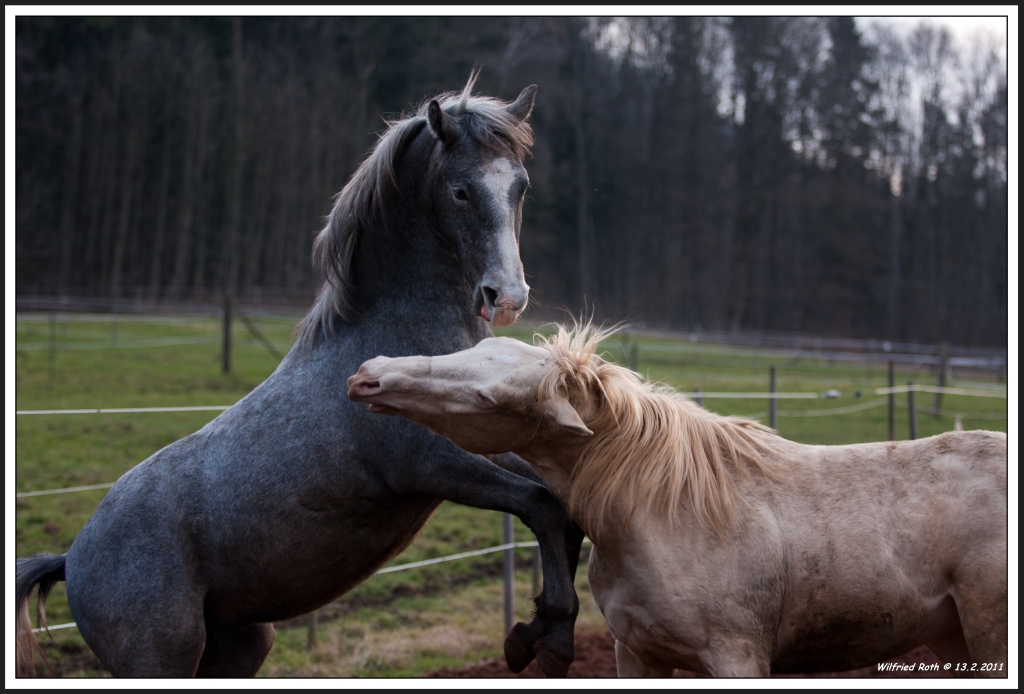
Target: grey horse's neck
<point x="408" y="265"/>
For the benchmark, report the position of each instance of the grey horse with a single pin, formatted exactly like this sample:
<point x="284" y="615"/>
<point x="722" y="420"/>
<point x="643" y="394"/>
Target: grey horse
<point x="295" y="495"/>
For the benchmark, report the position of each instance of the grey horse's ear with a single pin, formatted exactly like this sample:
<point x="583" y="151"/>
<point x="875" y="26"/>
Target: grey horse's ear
<point x="566" y="416"/>
<point x="441" y="124"/>
<point x="521" y="107"/>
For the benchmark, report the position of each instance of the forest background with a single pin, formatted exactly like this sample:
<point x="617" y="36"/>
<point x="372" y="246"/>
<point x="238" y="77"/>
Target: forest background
<point x="792" y="174"/>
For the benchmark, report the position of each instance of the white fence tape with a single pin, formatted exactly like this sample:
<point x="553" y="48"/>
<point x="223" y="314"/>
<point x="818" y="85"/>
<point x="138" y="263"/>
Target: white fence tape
<point x="833" y="410"/>
<point x="55" y="627"/>
<point x="757" y="396"/>
<point x="937" y="389"/>
<point x="108" y="485"/>
<point x="461" y="555"/>
<point x="120" y="344"/>
<point x="694" y="395"/>
<point x="123" y="410"/>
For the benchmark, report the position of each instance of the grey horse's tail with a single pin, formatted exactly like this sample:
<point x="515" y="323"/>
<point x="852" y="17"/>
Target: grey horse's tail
<point x="44" y="570"/>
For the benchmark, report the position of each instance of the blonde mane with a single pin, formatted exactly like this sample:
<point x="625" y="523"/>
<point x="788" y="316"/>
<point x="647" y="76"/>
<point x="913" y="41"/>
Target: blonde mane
<point x="651" y="444"/>
<point x="359" y="207"/>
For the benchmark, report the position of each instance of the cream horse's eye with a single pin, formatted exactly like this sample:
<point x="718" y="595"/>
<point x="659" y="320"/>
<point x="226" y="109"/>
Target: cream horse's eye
<point x="484" y="399"/>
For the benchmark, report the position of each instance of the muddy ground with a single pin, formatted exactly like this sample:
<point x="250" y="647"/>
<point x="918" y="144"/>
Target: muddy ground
<point x="595" y="657"/>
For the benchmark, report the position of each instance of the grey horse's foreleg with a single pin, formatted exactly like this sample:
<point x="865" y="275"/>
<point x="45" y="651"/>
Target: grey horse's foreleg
<point x="521" y="644"/>
<point x="449" y="473"/>
<point x="542" y="638"/>
<point x="513" y="463"/>
<point x="235" y="651"/>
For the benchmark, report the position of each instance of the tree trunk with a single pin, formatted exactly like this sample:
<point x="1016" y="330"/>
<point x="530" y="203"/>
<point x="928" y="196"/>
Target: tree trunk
<point x="156" y="266"/>
<point x="229" y="261"/>
<point x="70" y="197"/>
<point x="128" y="184"/>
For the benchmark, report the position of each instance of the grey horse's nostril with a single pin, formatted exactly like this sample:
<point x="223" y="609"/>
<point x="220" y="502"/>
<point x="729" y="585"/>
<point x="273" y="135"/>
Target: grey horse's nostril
<point x="490" y="295"/>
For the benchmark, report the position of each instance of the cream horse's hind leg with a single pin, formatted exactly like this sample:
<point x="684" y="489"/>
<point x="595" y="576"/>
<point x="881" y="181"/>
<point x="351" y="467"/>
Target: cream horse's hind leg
<point x="950" y="646"/>
<point x="980" y="591"/>
<point x="984" y="620"/>
<point x="739" y="663"/>
<point x="628" y="665"/>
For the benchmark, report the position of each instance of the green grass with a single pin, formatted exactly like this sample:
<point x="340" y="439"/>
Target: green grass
<point x="397" y="624"/>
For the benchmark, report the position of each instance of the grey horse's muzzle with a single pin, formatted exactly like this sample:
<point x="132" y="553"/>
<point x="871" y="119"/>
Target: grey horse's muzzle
<point x="501" y="306"/>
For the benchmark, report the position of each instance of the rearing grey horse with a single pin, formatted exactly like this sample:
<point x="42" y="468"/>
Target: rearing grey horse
<point x="295" y="495"/>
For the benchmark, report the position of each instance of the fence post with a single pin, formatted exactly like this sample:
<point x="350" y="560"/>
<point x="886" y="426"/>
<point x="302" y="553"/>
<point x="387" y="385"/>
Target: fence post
<point x="536" y="571"/>
<point x="226" y="350"/>
<point x="773" y="402"/>
<point x="699" y="397"/>
<point x="113" y="324"/>
<point x="940" y="379"/>
<point x="53" y="343"/>
<point x="634" y="356"/>
<point x="892" y="402"/>
<point x="64" y="318"/>
<point x="510" y="557"/>
<point x="314" y="618"/>
<point x="913" y="414"/>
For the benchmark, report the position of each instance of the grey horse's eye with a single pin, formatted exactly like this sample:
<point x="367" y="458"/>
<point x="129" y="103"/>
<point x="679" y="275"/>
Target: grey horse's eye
<point x="460" y="194"/>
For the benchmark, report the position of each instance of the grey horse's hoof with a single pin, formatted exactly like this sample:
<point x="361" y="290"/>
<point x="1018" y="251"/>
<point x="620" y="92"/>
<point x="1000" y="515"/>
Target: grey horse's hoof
<point x="518" y="648"/>
<point x="553" y="657"/>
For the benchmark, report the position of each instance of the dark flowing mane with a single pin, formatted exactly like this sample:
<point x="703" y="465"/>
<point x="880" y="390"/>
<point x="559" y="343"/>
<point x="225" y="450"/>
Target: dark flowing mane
<point x="359" y="207"/>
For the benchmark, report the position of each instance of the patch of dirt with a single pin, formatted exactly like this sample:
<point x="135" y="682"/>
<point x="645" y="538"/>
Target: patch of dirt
<point x="595" y="657"/>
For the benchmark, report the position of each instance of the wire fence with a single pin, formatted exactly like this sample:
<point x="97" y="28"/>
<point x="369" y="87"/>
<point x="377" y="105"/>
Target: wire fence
<point x="126" y="410"/>
<point x="509" y="547"/>
<point x="65" y="346"/>
<point x="46" y="492"/>
<point x="826" y="412"/>
<point x="823" y="412"/>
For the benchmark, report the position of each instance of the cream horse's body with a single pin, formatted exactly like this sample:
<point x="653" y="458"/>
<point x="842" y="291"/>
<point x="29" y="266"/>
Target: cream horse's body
<point x="858" y="554"/>
<point x="826" y="558"/>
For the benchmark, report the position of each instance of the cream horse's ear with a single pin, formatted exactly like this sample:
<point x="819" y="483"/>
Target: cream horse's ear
<point x="566" y="416"/>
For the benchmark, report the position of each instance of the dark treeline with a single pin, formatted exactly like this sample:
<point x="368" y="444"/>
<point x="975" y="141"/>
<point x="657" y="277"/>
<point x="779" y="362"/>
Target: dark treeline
<point x="783" y="174"/>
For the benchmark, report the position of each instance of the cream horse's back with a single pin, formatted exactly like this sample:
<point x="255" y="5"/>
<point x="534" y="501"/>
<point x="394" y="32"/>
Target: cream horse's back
<point x="854" y="554"/>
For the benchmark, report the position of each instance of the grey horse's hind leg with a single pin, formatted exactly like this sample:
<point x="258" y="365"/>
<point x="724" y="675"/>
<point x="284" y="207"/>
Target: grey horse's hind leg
<point x="148" y="649"/>
<point x="131" y="588"/>
<point x="235" y="651"/>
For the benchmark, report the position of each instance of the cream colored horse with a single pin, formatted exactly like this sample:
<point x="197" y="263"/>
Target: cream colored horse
<point x="718" y="546"/>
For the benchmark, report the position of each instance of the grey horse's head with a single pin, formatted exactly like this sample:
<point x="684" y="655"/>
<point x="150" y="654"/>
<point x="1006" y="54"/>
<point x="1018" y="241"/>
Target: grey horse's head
<point x="479" y="186"/>
<point x="469" y="150"/>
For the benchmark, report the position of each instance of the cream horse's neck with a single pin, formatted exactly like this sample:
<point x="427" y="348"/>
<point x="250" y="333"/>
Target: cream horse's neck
<point x="554" y="462"/>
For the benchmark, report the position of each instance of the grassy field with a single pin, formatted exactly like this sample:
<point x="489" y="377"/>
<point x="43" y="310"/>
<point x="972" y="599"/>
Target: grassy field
<point x="401" y="623"/>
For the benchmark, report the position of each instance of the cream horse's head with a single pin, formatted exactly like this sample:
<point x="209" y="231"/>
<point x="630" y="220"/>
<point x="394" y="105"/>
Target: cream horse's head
<point x="493" y="398"/>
